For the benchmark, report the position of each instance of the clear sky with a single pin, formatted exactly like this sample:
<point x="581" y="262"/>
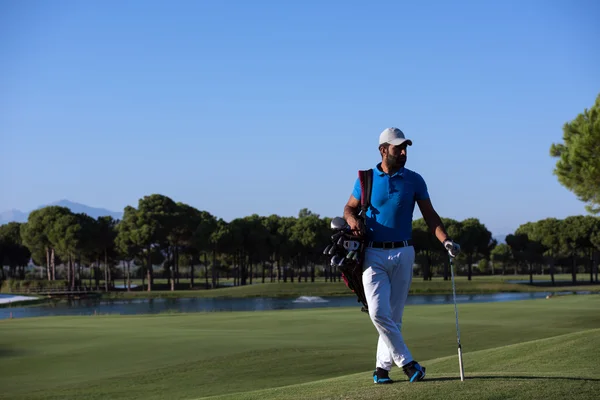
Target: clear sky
<point x="241" y="107"/>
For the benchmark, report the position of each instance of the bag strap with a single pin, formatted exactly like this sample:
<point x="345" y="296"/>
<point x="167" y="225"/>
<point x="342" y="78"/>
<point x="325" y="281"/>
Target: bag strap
<point x="366" y="186"/>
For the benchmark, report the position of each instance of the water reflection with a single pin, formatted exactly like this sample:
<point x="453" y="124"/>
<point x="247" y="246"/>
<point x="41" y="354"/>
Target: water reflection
<point x="185" y="305"/>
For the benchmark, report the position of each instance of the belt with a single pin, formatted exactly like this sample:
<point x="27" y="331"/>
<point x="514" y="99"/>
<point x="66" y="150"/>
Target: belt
<point x="390" y="245"/>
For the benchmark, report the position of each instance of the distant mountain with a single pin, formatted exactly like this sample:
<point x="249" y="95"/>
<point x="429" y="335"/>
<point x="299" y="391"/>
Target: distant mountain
<point x="94" y="212"/>
<point x="12" y="215"/>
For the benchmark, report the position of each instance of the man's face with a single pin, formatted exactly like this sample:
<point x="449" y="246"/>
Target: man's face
<point x="395" y="156"/>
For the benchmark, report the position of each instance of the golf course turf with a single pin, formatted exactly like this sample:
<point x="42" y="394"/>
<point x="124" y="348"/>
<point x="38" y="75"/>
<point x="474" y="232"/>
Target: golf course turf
<point x="534" y="349"/>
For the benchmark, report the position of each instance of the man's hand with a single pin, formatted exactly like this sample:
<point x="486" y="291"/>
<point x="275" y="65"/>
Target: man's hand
<point x="356" y="225"/>
<point x="350" y="215"/>
<point x="452" y="248"/>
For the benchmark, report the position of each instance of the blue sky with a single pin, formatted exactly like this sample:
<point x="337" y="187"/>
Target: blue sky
<point x="240" y="107"/>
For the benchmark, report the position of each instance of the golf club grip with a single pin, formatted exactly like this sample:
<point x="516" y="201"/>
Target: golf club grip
<point x="460" y="363"/>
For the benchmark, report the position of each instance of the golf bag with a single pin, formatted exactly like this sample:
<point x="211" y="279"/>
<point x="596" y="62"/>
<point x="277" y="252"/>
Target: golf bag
<point x="348" y="250"/>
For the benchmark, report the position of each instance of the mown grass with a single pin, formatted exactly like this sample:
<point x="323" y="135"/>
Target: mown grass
<point x="523" y="371"/>
<point x="328" y="351"/>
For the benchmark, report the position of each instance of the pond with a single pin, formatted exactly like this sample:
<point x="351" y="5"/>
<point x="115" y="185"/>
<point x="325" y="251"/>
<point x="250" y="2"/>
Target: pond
<point x="185" y="305"/>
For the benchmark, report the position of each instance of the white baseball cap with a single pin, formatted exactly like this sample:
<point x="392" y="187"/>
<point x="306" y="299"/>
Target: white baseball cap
<point x="393" y="136"/>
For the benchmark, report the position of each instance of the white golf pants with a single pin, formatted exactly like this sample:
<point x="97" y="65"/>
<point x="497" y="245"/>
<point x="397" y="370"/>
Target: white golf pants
<point x="387" y="275"/>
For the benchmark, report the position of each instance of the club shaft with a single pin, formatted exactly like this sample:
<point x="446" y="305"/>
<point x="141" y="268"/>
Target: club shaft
<point x="460" y="364"/>
<point x="460" y="360"/>
<point x="455" y="306"/>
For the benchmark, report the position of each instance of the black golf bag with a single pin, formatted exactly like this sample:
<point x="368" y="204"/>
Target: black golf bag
<point x="347" y="250"/>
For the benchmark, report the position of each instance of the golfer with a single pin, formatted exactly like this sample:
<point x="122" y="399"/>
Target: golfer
<point x="389" y="252"/>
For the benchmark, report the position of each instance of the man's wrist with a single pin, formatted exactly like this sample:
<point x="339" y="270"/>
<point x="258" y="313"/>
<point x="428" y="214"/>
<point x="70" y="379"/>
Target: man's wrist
<point x="350" y="212"/>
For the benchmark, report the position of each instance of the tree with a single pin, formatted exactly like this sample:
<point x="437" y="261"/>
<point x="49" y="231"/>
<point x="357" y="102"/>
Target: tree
<point x="592" y="227"/>
<point x="253" y="238"/>
<point x="107" y="233"/>
<point x="87" y="244"/>
<point x="517" y="244"/>
<point x="203" y="228"/>
<point x="13" y="253"/>
<point x="426" y="246"/>
<point x="474" y="239"/>
<point x="274" y="241"/>
<point x="65" y="236"/>
<point x="35" y="235"/>
<point x="219" y="240"/>
<point x="148" y="227"/>
<point x="532" y="248"/>
<point x="288" y="248"/>
<point x="308" y="233"/>
<point x="125" y="243"/>
<point x="578" y="165"/>
<point x="483" y="265"/>
<point x="575" y="235"/>
<point x="546" y="232"/>
<point x="501" y="255"/>
<point x="525" y="248"/>
<point x="2" y="252"/>
<point x="595" y="240"/>
<point x="182" y="224"/>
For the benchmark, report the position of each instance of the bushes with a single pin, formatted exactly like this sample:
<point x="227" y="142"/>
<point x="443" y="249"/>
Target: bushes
<point x="16" y="286"/>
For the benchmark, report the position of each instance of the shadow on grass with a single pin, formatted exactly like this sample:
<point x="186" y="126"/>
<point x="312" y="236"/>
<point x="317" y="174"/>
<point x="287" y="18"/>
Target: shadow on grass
<point x="5" y="352"/>
<point x="513" y="377"/>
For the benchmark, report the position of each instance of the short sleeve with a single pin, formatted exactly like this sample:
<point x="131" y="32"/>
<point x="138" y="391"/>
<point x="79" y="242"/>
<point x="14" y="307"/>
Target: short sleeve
<point x="356" y="191"/>
<point x="421" y="192"/>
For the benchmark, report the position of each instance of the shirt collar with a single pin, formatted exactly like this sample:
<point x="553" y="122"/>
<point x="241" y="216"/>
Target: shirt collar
<point x="381" y="173"/>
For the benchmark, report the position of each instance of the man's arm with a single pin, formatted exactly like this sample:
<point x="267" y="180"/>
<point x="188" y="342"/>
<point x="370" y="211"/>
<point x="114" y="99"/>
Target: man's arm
<point x="433" y="220"/>
<point x="351" y="210"/>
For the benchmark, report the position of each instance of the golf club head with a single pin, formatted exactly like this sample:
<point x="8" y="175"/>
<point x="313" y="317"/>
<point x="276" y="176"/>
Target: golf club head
<point x="335" y="236"/>
<point x="339" y="223"/>
<point x="350" y="254"/>
<point x="326" y="251"/>
<point x="332" y="249"/>
<point x="335" y="260"/>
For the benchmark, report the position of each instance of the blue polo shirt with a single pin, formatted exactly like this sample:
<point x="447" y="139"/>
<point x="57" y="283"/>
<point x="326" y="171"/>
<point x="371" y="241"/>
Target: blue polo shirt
<point x="389" y="219"/>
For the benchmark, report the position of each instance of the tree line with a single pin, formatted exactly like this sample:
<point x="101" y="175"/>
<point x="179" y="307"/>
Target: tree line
<point x="548" y="246"/>
<point x="165" y="234"/>
<point x="173" y="240"/>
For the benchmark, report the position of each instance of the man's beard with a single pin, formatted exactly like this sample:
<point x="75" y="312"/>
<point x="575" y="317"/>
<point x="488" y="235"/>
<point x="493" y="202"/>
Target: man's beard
<point x="393" y="162"/>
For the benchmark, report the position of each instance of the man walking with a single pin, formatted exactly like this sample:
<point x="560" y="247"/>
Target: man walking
<point x="389" y="253"/>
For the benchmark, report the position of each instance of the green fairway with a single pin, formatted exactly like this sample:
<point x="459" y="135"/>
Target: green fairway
<point x="523" y="371"/>
<point x="527" y="349"/>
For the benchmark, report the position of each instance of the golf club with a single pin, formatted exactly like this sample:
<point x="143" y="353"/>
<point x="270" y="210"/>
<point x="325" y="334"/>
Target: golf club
<point x="336" y="260"/>
<point x="337" y="235"/>
<point x="338" y="223"/>
<point x="460" y="362"/>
